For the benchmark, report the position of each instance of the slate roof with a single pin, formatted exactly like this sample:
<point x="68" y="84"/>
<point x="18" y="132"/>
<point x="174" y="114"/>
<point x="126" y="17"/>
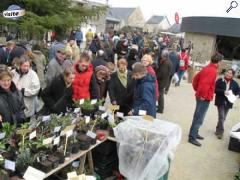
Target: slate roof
<point x="119" y="13"/>
<point x="175" y="28"/>
<point x="155" y="19"/>
<point x="212" y="25"/>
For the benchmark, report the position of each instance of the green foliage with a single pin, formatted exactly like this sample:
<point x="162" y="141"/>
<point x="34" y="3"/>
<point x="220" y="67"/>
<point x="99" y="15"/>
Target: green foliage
<point x="237" y="176"/>
<point x="8" y="129"/>
<point x="87" y="104"/>
<point x="25" y="159"/>
<point x="57" y="15"/>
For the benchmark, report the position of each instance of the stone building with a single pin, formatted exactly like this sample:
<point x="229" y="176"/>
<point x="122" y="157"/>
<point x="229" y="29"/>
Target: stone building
<point x="156" y="24"/>
<point x="118" y="18"/>
<point x="212" y="33"/>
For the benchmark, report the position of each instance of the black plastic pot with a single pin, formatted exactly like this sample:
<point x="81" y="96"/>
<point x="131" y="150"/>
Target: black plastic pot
<point x="84" y="145"/>
<point x="88" y="112"/>
<point x="60" y="156"/>
<point x="54" y="160"/>
<point x="75" y="148"/>
<point x="45" y="166"/>
<point x="93" y="141"/>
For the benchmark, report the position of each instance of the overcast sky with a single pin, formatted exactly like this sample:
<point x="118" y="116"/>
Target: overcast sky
<point x="183" y="7"/>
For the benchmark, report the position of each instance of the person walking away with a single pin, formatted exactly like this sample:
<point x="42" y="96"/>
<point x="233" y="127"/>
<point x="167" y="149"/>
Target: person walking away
<point x="144" y="97"/>
<point x="183" y="65"/>
<point x="85" y="83"/>
<point x="57" y="65"/>
<point x="163" y="74"/>
<point x="147" y="61"/>
<point x="40" y="62"/>
<point x="11" y="100"/>
<point x="121" y="87"/>
<point x="73" y="51"/>
<point x="57" y="96"/>
<point x="79" y="37"/>
<point x="89" y="37"/>
<point x="27" y="81"/>
<point x="204" y="86"/>
<point x="174" y="58"/>
<point x="223" y="87"/>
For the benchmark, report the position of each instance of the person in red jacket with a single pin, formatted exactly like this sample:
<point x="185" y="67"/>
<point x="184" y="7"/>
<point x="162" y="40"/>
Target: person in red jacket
<point x="183" y="65"/>
<point x="147" y="61"/>
<point x="84" y="84"/>
<point x="204" y="86"/>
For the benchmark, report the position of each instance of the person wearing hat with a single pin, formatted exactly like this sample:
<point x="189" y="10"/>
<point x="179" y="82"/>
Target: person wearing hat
<point x="144" y="97"/>
<point x="102" y="75"/>
<point x="57" y="65"/>
<point x="100" y="59"/>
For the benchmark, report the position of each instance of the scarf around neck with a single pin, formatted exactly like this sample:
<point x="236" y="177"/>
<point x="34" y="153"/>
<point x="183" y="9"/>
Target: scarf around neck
<point x="123" y="78"/>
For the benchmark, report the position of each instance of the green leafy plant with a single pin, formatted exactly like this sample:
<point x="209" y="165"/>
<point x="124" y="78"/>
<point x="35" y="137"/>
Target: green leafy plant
<point x="237" y="176"/>
<point x="87" y="104"/>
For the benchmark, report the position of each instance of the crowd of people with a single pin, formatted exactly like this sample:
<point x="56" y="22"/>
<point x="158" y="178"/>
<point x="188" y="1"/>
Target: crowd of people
<point x="133" y="71"/>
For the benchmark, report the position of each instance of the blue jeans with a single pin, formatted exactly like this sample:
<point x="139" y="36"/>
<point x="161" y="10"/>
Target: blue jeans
<point x="180" y="74"/>
<point x="198" y="117"/>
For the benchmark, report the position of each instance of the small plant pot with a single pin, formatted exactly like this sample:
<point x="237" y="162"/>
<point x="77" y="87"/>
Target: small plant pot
<point x="8" y="155"/>
<point x="88" y="112"/>
<point x="84" y="145"/>
<point x="45" y="166"/>
<point x="75" y="148"/>
<point x="93" y="141"/>
<point x="111" y="132"/>
<point x="55" y="160"/>
<point x="60" y="156"/>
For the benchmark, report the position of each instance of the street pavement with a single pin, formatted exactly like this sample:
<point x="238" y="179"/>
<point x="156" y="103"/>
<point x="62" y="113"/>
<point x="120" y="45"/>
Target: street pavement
<point x="211" y="161"/>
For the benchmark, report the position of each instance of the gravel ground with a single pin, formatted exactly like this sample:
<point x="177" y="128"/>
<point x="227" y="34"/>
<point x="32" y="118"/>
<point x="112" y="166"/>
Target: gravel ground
<point x="211" y="161"/>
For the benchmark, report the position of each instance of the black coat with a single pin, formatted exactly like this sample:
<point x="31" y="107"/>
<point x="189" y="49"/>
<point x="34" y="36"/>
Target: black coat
<point x="12" y="105"/>
<point x="220" y="88"/>
<point x="163" y="72"/>
<point x="174" y="58"/>
<point x="57" y="97"/>
<point x="117" y="92"/>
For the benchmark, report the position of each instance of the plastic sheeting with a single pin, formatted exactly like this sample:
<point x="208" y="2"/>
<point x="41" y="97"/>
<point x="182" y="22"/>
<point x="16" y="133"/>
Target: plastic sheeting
<point x="145" y="147"/>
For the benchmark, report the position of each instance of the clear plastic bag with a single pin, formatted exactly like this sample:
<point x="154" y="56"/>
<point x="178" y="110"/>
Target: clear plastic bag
<point x="145" y="147"/>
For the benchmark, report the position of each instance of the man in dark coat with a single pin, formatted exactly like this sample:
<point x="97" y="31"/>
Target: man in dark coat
<point x="100" y="59"/>
<point x="164" y="71"/>
<point x="57" y="96"/>
<point x="121" y="87"/>
<point x="144" y="91"/>
<point x="174" y="58"/>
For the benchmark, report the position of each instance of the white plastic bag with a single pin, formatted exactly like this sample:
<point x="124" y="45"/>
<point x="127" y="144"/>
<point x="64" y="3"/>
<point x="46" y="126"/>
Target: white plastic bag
<point x="144" y="147"/>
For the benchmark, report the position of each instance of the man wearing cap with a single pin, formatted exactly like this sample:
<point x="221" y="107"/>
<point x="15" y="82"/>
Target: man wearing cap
<point x="57" y="65"/>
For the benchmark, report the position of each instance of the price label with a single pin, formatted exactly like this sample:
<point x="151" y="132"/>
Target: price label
<point x="113" y="107"/>
<point x="91" y="134"/>
<point x="94" y="101"/>
<point x="120" y="114"/>
<point x="102" y="108"/>
<point x="72" y="175"/>
<point x="56" y="141"/>
<point x="2" y="135"/>
<point x="104" y="115"/>
<point x="69" y="133"/>
<point x="74" y="121"/>
<point x="148" y="118"/>
<point x="33" y="174"/>
<point x="142" y="112"/>
<point x="76" y="110"/>
<point x="33" y="135"/>
<point x="46" y="118"/>
<point x="47" y="141"/>
<point x="111" y="119"/>
<point x="57" y="129"/>
<point x="81" y="101"/>
<point x="68" y="128"/>
<point x="87" y="119"/>
<point x="11" y="165"/>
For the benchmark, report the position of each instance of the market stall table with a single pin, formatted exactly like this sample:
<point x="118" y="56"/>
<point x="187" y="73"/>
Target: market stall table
<point x="82" y="155"/>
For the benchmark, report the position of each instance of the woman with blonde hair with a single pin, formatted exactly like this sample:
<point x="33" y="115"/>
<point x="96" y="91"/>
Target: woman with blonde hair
<point x="147" y="61"/>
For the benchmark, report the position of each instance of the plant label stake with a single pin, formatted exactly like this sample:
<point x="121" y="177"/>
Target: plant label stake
<point x="33" y="135"/>
<point x="87" y="119"/>
<point x="11" y="165"/>
<point x="81" y="101"/>
<point x="94" y="101"/>
<point x="56" y="141"/>
<point x="142" y="112"/>
<point x="2" y="135"/>
<point x="120" y="114"/>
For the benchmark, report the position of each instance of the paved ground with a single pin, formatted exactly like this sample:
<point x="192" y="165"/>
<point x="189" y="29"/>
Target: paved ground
<point x="212" y="161"/>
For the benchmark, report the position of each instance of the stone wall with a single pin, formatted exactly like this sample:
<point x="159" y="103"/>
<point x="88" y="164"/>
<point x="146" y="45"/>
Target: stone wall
<point x="203" y="46"/>
<point x="136" y="19"/>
